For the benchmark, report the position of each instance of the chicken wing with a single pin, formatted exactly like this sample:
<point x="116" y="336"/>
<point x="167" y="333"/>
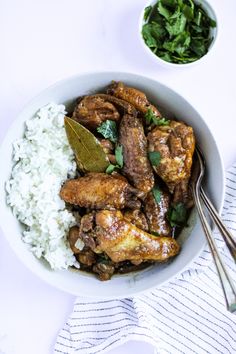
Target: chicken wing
<point x="99" y="191"/>
<point x="121" y="240"/>
<point x="122" y="106"/>
<point x="175" y="143"/>
<point x="93" y="110"/>
<point x="137" y="98"/>
<point x="137" y="218"/>
<point x="136" y="167"/>
<point x="156" y="214"/>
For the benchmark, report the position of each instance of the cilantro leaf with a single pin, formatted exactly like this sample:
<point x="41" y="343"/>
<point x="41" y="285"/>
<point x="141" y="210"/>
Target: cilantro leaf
<point x="111" y="168"/>
<point x="176" y="26"/>
<point x="147" y="12"/>
<point x="212" y="22"/>
<point x="177" y="215"/>
<point x="119" y="159"/>
<point x="148" y="37"/>
<point x="163" y="121"/>
<point x="119" y="155"/>
<point x="188" y="12"/>
<point x="198" y="47"/>
<point x="170" y="3"/>
<point x="109" y="130"/>
<point x="151" y="118"/>
<point x="154" y="157"/>
<point x="179" y="44"/>
<point x="154" y="233"/>
<point x="156" y="194"/>
<point x="163" y="10"/>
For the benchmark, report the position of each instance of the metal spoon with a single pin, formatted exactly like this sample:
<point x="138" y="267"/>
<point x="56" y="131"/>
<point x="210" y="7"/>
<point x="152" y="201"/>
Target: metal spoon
<point x="225" y="279"/>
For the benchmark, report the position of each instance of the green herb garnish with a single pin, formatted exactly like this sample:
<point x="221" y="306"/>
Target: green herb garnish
<point x="163" y="121"/>
<point x="177" y="215"/>
<point x="109" y="130"/>
<point x="119" y="155"/>
<point x="103" y="258"/>
<point x="111" y="168"/>
<point x="154" y="157"/>
<point x="156" y="194"/>
<point x="151" y="118"/>
<point x="155" y="233"/>
<point x="119" y="160"/>
<point x="177" y="31"/>
<point x="147" y="12"/>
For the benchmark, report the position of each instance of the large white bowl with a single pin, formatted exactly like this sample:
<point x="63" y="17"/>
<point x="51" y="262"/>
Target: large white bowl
<point x="192" y="239"/>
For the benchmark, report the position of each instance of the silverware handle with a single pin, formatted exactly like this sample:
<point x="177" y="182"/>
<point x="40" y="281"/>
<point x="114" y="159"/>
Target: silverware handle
<point x="226" y="234"/>
<point x="225" y="279"/>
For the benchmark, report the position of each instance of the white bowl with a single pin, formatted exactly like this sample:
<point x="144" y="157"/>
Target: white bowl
<point x="192" y="239"/>
<point x="213" y="33"/>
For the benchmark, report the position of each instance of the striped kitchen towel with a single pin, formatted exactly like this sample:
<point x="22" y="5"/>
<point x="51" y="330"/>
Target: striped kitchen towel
<point x="185" y="316"/>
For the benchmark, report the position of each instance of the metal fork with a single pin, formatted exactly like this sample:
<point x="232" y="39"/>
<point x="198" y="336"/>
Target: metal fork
<point x="225" y="279"/>
<point x="225" y="232"/>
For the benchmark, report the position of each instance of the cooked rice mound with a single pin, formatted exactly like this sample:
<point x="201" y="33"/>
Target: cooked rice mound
<point x="43" y="160"/>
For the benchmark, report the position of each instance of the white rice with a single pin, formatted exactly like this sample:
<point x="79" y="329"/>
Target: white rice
<point x="43" y="160"/>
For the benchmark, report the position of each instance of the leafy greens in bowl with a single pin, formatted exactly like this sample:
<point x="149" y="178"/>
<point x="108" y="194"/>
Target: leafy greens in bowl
<point x="178" y="31"/>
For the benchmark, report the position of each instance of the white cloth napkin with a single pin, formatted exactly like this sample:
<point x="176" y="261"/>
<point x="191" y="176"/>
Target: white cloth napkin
<point x="185" y="316"/>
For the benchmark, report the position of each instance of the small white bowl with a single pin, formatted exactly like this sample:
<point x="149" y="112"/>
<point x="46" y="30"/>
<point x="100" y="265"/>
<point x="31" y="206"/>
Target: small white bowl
<point x="192" y="239"/>
<point x="213" y="33"/>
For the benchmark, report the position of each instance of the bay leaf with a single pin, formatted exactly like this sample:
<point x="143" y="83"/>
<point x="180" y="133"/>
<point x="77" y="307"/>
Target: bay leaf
<point x="88" y="151"/>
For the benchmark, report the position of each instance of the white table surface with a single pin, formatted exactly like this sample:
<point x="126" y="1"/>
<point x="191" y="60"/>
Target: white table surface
<point x="47" y="40"/>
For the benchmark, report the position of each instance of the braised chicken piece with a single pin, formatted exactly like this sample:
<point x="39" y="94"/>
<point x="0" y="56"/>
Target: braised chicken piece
<point x="85" y="232"/>
<point x="87" y="257"/>
<point x="94" y="110"/>
<point x="80" y="247"/>
<point x="137" y="218"/>
<point x="121" y="240"/>
<point x="73" y="237"/>
<point x="123" y="107"/>
<point x="91" y="111"/>
<point x="175" y="143"/>
<point x="183" y="194"/>
<point x="99" y="191"/>
<point x="104" y="270"/>
<point x="107" y="146"/>
<point x="156" y="214"/>
<point x="137" y="98"/>
<point x="136" y="167"/>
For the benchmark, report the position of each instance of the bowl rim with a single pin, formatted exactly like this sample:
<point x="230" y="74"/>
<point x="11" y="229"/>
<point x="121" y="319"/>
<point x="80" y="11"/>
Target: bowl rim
<point x="131" y="292"/>
<point x="164" y="63"/>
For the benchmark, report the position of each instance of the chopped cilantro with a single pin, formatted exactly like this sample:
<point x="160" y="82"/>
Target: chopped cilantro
<point x="155" y="233"/>
<point x="111" y="168"/>
<point x="119" y="155"/>
<point x="154" y="157"/>
<point x="119" y="160"/>
<point x="151" y="118"/>
<point x="157" y="194"/>
<point x="177" y="215"/>
<point x="178" y="31"/>
<point x="109" y="130"/>
<point x="147" y="12"/>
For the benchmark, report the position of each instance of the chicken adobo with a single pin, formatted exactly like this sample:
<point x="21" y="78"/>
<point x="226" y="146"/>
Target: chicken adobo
<point x="130" y="213"/>
<point x="136" y="166"/>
